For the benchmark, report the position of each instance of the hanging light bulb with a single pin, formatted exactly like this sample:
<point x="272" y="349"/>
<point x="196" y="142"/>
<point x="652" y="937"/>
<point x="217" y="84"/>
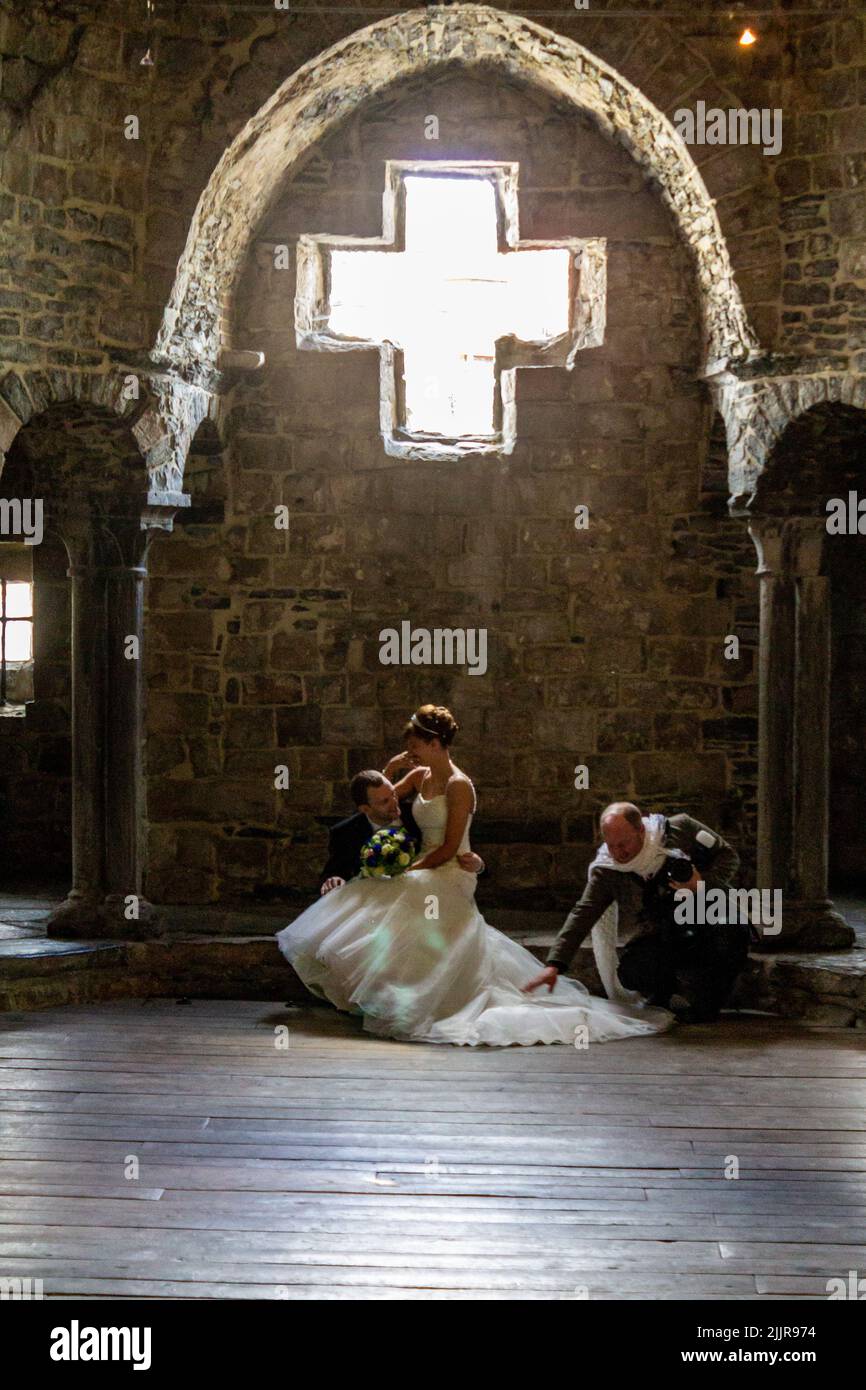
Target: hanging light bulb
<point x="747" y="38"/>
<point x="147" y="60"/>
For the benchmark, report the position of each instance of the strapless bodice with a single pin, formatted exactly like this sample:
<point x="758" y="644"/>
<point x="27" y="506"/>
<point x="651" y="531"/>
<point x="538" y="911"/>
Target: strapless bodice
<point x="431" y="818"/>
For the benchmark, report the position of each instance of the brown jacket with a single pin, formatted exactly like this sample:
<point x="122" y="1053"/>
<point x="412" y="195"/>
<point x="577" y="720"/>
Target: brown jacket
<point x="605" y="886"/>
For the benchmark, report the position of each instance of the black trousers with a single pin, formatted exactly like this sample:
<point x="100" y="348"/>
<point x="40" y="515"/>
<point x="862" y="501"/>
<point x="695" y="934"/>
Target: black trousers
<point x="701" y="968"/>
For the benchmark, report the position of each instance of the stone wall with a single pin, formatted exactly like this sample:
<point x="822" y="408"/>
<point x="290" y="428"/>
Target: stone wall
<point x="605" y="647"/>
<point x="822" y="212"/>
<point x="95" y="223"/>
<point x="91" y="228"/>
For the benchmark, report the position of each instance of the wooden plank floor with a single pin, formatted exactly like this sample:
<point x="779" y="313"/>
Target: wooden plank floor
<point x="153" y="1150"/>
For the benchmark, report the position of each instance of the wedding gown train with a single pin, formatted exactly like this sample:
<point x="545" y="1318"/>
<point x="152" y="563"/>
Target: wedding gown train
<point x="416" y="959"/>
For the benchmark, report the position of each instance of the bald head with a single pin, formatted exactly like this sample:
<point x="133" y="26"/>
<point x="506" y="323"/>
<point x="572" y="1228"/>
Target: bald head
<point x="622" y="830"/>
<point x="627" y="810"/>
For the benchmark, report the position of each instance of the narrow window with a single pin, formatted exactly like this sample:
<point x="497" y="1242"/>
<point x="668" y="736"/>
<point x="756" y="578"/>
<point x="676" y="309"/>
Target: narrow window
<point x="16" y="628"/>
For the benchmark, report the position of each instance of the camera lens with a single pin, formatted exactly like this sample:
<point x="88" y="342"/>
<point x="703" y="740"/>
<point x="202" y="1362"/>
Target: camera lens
<point x="679" y="870"/>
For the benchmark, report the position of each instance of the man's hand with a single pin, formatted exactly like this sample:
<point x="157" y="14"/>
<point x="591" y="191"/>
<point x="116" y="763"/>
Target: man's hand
<point x="471" y="862"/>
<point x="329" y="884"/>
<point x="548" y="976"/>
<point x="690" y="885"/>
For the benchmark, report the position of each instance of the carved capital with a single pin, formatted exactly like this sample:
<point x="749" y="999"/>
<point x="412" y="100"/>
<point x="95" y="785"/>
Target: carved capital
<point x="788" y="547"/>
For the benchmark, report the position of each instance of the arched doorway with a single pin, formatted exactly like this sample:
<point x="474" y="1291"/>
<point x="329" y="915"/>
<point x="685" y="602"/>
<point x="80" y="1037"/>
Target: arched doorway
<point x="811" y="579"/>
<point x="82" y="466"/>
<point x="35" y="686"/>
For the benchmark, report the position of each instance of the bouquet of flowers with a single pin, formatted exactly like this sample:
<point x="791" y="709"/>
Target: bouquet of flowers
<point x="387" y="853"/>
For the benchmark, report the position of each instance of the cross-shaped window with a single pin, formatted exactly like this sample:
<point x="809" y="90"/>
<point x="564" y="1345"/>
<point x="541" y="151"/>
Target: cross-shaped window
<point x="454" y="302"/>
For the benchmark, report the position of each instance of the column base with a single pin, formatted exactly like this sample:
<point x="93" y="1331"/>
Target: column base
<point x="116" y="925"/>
<point x="79" y="915"/>
<point x="809" y="926"/>
<point x="93" y="917"/>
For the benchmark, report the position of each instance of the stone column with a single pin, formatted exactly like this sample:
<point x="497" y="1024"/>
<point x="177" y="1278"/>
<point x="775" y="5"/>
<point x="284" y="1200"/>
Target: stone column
<point x="78" y="915"/>
<point x="812" y="702"/>
<point x="125" y="911"/>
<point x="107" y="572"/>
<point x="776" y="661"/>
<point x="793" y="748"/>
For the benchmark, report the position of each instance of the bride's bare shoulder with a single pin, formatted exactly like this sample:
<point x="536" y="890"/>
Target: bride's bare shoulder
<point x="459" y="779"/>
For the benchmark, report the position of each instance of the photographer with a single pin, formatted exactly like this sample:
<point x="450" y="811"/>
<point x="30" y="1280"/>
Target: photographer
<point x="643" y="862"/>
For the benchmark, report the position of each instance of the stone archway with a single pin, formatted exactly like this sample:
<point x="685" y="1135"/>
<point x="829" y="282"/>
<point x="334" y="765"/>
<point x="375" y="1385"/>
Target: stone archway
<point x="326" y="90"/>
<point x="162" y="413"/>
<point x="760" y="405"/>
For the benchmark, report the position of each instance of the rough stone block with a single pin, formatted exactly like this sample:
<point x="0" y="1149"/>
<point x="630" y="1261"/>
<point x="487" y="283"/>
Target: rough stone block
<point x="298" y="724"/>
<point x="249" y="728"/>
<point x="351" y="726"/>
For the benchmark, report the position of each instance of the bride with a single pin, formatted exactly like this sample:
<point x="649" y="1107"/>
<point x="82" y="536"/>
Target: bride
<point x="414" y="956"/>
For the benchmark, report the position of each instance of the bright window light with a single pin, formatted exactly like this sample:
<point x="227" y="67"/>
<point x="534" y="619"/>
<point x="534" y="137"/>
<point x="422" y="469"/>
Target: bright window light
<point x="19" y="634"/>
<point x="447" y="299"/>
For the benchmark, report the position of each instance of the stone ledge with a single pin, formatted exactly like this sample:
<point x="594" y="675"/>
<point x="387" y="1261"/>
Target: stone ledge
<point x="34" y="957"/>
<point x="828" y="990"/>
<point x="177" y="921"/>
<point x="201" y="967"/>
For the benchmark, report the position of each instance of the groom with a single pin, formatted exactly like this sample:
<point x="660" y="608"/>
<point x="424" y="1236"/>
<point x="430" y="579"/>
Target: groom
<point x="378" y="809"/>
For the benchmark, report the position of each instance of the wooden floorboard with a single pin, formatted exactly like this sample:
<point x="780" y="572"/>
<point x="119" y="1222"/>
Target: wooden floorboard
<point x="153" y="1150"/>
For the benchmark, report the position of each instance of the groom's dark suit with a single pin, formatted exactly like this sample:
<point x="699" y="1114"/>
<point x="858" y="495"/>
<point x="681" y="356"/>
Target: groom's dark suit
<point x="348" y="838"/>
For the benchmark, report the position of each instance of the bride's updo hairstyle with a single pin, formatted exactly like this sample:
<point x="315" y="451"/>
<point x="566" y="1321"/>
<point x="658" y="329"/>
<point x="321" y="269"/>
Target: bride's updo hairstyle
<point x="431" y="722"/>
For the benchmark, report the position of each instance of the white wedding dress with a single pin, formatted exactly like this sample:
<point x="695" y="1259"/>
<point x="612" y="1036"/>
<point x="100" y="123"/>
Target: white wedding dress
<point x="414" y="956"/>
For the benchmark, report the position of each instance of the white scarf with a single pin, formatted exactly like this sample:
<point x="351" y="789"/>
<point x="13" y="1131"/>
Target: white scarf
<point x="649" y="857"/>
<point x="604" y="938"/>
